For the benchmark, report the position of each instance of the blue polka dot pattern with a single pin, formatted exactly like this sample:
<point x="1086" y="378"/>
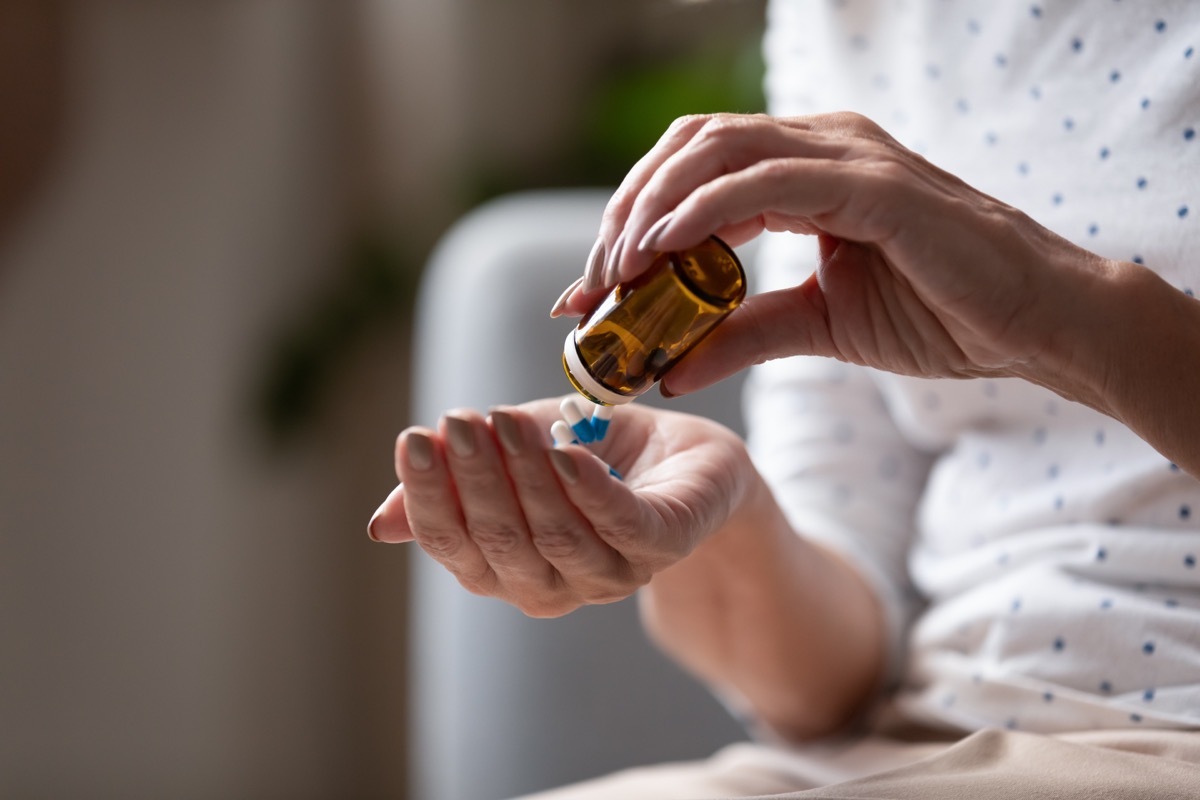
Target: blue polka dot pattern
<point x="1054" y="546"/>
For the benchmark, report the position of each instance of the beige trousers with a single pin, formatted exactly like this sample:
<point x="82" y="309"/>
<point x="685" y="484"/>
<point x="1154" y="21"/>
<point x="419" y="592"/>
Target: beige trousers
<point x="1097" y="765"/>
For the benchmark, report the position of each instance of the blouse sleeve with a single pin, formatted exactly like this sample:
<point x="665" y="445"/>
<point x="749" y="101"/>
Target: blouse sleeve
<point x="844" y="475"/>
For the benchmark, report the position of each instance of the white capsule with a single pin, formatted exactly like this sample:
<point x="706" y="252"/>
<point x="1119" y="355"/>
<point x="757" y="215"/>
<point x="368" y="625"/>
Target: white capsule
<point x="561" y="432"/>
<point x="600" y="417"/>
<point x="578" y="422"/>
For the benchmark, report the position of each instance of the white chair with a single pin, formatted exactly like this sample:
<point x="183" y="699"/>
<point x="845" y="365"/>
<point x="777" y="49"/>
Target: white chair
<point x="503" y="704"/>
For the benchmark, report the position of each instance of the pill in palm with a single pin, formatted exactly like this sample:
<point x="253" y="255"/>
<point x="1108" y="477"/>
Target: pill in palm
<point x="600" y="420"/>
<point x="563" y="434"/>
<point x="580" y="424"/>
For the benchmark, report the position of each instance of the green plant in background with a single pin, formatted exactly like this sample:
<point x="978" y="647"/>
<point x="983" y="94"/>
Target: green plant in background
<point x="375" y="288"/>
<point x="633" y="108"/>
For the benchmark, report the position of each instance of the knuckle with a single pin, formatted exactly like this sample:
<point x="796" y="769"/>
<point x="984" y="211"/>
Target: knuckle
<point x="859" y="125"/>
<point x="533" y="483"/>
<point x="854" y="120"/>
<point x="688" y="122"/>
<point x="721" y="128"/>
<point x="624" y="533"/>
<point x="497" y="538"/>
<point x="482" y="584"/>
<point x="439" y="543"/>
<point x="556" y="540"/>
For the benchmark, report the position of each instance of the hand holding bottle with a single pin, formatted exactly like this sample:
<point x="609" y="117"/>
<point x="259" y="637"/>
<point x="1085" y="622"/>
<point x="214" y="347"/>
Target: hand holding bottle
<point x="919" y="273"/>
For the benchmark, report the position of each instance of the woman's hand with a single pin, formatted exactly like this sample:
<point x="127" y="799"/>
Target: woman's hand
<point x="920" y="274"/>
<point x="548" y="529"/>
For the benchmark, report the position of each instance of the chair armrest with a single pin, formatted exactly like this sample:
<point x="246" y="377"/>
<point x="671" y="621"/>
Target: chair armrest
<point x="502" y="704"/>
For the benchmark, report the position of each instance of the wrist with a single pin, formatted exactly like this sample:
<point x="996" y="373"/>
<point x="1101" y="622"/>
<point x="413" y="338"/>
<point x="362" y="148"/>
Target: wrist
<point x="1085" y="308"/>
<point x="1128" y="345"/>
<point x="762" y="614"/>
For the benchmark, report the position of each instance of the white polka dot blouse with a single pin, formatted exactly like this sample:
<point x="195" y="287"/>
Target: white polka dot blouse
<point x="1038" y="561"/>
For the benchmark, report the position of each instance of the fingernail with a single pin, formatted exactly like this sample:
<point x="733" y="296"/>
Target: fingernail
<point x="564" y="466"/>
<point x="557" y="308"/>
<point x="508" y="431"/>
<point x="650" y="240"/>
<point x="462" y="437"/>
<point x="371" y="525"/>
<point x="420" y="451"/>
<point x="611" y="270"/>
<point x="593" y="270"/>
<point x="665" y="392"/>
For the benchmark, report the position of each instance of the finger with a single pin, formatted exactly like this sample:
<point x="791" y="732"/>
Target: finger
<point x="433" y="511"/>
<point x="389" y="523"/>
<point x="494" y="518"/>
<point x="616" y="212"/>
<point x="619" y="205"/>
<point x="724" y="145"/>
<point x="693" y="150"/>
<point x="584" y="294"/>
<point x="853" y="200"/>
<point x="614" y="511"/>
<point x="559" y="531"/>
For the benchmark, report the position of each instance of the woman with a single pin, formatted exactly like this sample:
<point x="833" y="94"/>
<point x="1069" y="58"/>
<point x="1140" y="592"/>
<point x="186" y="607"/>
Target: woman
<point x="974" y="570"/>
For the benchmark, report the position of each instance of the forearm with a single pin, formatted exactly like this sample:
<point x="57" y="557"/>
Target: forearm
<point x="759" y="612"/>
<point x="1139" y="361"/>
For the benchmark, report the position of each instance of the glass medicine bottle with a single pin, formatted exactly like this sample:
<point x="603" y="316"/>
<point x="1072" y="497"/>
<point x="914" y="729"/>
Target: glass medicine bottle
<point x="644" y="326"/>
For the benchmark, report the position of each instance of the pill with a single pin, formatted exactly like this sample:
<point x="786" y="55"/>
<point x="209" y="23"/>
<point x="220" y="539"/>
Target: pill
<point x="562" y="433"/>
<point x="578" y="422"/>
<point x="600" y="420"/>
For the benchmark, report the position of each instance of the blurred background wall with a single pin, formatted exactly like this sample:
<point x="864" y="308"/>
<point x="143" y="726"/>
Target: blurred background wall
<point x="212" y="218"/>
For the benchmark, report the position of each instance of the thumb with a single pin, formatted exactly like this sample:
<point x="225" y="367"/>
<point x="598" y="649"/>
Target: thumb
<point x="787" y="322"/>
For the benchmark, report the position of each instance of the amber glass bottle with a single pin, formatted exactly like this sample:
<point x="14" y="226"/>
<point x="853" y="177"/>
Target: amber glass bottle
<point x="637" y="333"/>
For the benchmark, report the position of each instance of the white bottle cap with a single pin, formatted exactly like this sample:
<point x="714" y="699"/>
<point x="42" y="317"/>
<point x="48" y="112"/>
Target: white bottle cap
<point x="579" y="372"/>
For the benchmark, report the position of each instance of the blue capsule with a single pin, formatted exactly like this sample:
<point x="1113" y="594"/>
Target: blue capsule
<point x="564" y="434"/>
<point x="600" y="420"/>
<point x="578" y="422"/>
